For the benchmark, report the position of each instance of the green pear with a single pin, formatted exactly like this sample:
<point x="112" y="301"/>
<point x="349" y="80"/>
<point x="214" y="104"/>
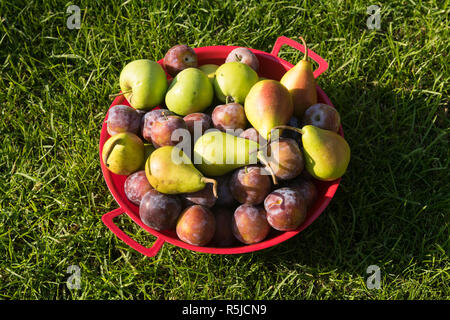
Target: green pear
<point x="210" y="71"/>
<point x="327" y="154"/>
<point x="217" y="153"/>
<point x="169" y="170"/>
<point x="267" y="105"/>
<point x="190" y="91"/>
<point x="143" y="83"/>
<point x="123" y="153"/>
<point x="234" y="80"/>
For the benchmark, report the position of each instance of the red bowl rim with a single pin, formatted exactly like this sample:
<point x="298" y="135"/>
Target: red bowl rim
<point x="125" y="204"/>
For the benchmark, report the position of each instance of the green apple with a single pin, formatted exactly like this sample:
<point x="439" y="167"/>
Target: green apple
<point x="190" y="91"/>
<point x="234" y="80"/>
<point x="123" y="153"/>
<point x="143" y="83"/>
<point x="210" y="71"/>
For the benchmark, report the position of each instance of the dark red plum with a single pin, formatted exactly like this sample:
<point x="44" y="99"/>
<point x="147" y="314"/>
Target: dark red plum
<point x="229" y="116"/>
<point x="252" y="134"/>
<point x="136" y="186"/>
<point x="250" y="184"/>
<point x="204" y="197"/>
<point x="122" y="118"/>
<point x="201" y="121"/>
<point x="163" y="128"/>
<point x="149" y="118"/>
<point x="223" y="236"/>
<point x="323" y="116"/>
<point x="286" y="209"/>
<point x="178" y="58"/>
<point x="224" y="196"/>
<point x="249" y="224"/>
<point x="244" y="55"/>
<point x="286" y="158"/>
<point x="293" y="122"/>
<point x="306" y="188"/>
<point x="196" y="225"/>
<point x="160" y="211"/>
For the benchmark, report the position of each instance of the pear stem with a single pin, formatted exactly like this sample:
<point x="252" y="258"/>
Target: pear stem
<point x="283" y="127"/>
<point x="306" y="49"/>
<point x="229" y="99"/>
<point x="214" y="183"/>
<point x="263" y="160"/>
<point x="268" y="167"/>
<point x="120" y="93"/>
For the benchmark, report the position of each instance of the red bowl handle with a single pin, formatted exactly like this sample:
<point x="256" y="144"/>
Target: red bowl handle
<point x="108" y="221"/>
<point x="323" y="65"/>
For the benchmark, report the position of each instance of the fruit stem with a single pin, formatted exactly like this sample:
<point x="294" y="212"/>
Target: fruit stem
<point x="214" y="182"/>
<point x="229" y="99"/>
<point x="306" y="49"/>
<point x="283" y="127"/>
<point x="268" y="167"/>
<point x="120" y="93"/>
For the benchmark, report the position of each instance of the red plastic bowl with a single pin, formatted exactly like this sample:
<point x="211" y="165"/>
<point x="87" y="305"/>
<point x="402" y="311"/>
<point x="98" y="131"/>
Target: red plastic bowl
<point x="271" y="66"/>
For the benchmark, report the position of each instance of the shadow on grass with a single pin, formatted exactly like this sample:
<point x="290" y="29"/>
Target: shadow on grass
<point x="389" y="208"/>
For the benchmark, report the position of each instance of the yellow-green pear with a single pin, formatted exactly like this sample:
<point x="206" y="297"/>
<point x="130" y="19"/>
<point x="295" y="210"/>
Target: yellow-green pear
<point x="123" y="153"/>
<point x="268" y="104"/>
<point x="169" y="170"/>
<point x="300" y="82"/>
<point x="217" y="153"/>
<point x="326" y="153"/>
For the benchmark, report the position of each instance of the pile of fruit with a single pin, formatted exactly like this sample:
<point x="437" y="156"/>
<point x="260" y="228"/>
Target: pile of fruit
<point x="217" y="154"/>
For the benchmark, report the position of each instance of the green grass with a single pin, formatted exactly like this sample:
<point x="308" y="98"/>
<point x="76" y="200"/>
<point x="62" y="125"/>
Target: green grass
<point x="391" y="209"/>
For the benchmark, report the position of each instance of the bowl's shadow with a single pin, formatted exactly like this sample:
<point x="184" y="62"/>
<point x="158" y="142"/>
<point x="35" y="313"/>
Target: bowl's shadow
<point x="369" y="221"/>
